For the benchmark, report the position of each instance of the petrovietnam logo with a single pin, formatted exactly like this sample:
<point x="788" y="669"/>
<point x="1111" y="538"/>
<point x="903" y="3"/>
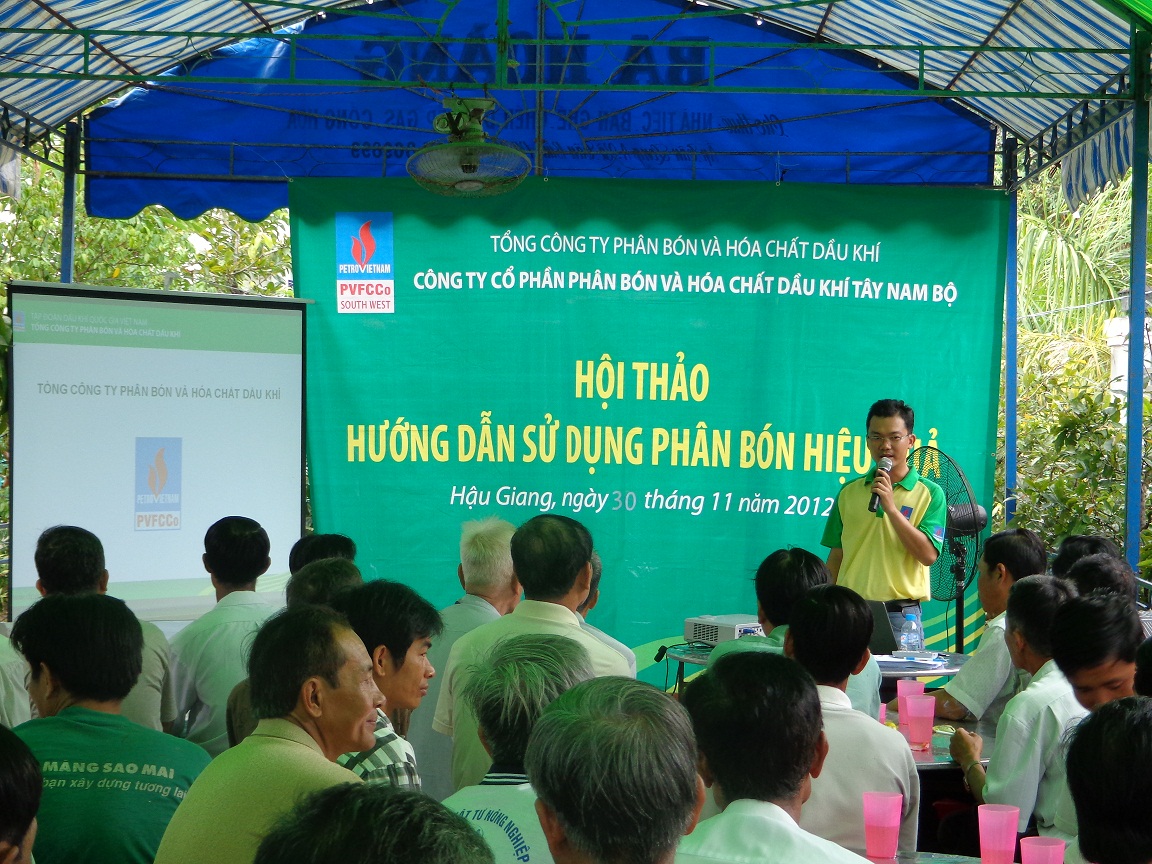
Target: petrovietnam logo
<point x="364" y="244"/>
<point x="158" y="473"/>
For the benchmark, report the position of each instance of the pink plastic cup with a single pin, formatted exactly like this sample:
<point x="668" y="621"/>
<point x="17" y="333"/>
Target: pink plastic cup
<point x="883" y="713"/>
<point x="997" y="832"/>
<point x="906" y="687"/>
<point x="921" y="711"/>
<point x="1042" y="850"/>
<point x="882" y="823"/>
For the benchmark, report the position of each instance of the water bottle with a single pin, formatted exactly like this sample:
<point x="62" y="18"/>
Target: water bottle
<point x="911" y="637"/>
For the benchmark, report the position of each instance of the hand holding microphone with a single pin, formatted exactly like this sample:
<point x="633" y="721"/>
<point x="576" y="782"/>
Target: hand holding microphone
<point x="885" y="465"/>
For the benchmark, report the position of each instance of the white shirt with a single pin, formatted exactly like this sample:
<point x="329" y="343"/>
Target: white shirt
<point x="469" y="759"/>
<point x="615" y="644"/>
<point x="988" y="680"/>
<point x="151" y="701"/>
<point x="864" y="755"/>
<point x="757" y="832"/>
<point x="505" y="816"/>
<point x="209" y="658"/>
<point x="1027" y="767"/>
<point x="15" y="706"/>
<point x="433" y="750"/>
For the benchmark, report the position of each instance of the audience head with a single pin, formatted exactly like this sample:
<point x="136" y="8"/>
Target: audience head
<point x="396" y="625"/>
<point x="1007" y="556"/>
<point x="1143" y="681"/>
<point x="758" y="726"/>
<point x="1032" y="605"/>
<point x="1094" y="642"/>
<point x="371" y="823"/>
<point x="320" y="580"/>
<point x="783" y="578"/>
<point x="20" y="786"/>
<point x="829" y="634"/>
<point x="613" y="763"/>
<point x="236" y="551"/>
<point x="69" y="560"/>
<point x="1110" y="782"/>
<point x="308" y="664"/>
<point x="1078" y="546"/>
<point x="518" y="679"/>
<point x="79" y="647"/>
<point x="486" y="560"/>
<point x="593" y="586"/>
<point x="314" y="547"/>
<point x="551" y="556"/>
<point x="1102" y="572"/>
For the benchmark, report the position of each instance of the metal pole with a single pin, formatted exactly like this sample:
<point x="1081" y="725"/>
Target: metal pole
<point x="1133" y="506"/>
<point x="1011" y="339"/>
<point x="68" y="228"/>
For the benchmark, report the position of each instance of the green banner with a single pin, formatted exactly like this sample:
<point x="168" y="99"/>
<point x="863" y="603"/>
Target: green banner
<point x="684" y="367"/>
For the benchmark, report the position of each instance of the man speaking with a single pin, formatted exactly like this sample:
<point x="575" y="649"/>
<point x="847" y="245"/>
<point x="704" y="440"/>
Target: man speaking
<point x="887" y="527"/>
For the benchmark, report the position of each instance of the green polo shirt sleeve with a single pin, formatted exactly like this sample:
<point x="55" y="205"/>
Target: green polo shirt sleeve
<point x="936" y="516"/>
<point x="834" y="527"/>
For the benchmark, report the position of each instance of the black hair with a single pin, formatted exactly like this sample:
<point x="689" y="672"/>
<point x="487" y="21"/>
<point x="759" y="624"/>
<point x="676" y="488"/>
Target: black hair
<point x="313" y="547"/>
<point x="389" y="614"/>
<point x="1093" y="630"/>
<point x="1103" y="572"/>
<point x="1021" y="552"/>
<point x="892" y="408"/>
<point x="758" y="723"/>
<point x="236" y="550"/>
<point x="1032" y="606"/>
<point x="92" y="643"/>
<point x="830" y="630"/>
<point x="1143" y="682"/>
<point x="1111" y="785"/>
<point x="69" y="560"/>
<point x="784" y="577"/>
<point x="291" y="647"/>
<point x="1078" y="546"/>
<point x="321" y="580"/>
<point x="548" y="553"/>
<point x="20" y="787"/>
<point x="372" y="823"/>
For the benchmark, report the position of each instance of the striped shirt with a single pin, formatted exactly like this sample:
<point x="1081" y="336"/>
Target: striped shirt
<point x="391" y="760"/>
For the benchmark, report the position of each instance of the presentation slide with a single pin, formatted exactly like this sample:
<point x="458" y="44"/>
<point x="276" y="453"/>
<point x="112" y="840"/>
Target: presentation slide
<point x="144" y="417"/>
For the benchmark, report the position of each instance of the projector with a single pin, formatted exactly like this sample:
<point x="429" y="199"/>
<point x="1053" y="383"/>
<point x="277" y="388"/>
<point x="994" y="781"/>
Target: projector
<point x="714" y="629"/>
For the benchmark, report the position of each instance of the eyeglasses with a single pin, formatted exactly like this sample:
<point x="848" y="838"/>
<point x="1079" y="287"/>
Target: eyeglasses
<point x="895" y="439"/>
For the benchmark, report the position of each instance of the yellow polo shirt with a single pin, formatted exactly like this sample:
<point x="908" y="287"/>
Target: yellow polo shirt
<point x="876" y="565"/>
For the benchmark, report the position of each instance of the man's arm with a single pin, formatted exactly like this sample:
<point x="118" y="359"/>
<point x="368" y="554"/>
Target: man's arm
<point x="917" y="543"/>
<point x="835" y="559"/>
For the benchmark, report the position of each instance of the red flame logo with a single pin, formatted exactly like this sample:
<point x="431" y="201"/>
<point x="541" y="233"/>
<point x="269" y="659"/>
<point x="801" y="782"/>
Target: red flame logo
<point x="364" y="246"/>
<point x="158" y="473"/>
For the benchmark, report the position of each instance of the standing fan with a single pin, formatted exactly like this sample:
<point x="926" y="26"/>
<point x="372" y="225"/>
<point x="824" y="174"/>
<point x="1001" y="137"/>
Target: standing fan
<point x="955" y="567"/>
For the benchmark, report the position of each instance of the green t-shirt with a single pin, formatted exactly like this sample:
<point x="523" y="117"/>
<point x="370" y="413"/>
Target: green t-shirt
<point x="110" y="786"/>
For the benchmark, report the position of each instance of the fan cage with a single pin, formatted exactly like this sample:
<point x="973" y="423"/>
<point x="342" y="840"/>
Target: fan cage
<point x="468" y="169"/>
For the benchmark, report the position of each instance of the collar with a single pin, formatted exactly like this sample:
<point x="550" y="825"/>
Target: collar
<point x="477" y="602"/>
<point x="1049" y="668"/>
<point x="286" y="730"/>
<point x="504" y="775"/>
<point x="833" y="697"/>
<point x="241" y="598"/>
<point x="542" y="610"/>
<point x="760" y="810"/>
<point x="908" y="482"/>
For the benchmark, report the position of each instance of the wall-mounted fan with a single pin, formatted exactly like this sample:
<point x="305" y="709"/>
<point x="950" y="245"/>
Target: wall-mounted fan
<point x="955" y="568"/>
<point x="469" y="164"/>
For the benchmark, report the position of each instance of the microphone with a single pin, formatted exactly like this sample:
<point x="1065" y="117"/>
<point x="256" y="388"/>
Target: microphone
<point x="884" y="465"/>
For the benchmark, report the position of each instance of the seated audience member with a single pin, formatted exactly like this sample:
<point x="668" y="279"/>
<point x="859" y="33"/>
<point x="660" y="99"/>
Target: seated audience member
<point x="20" y="789"/>
<point x="396" y="625"/>
<point x="590" y="603"/>
<point x="1143" y="681"/>
<point x="829" y="636"/>
<point x="1078" y="546"/>
<point x="316" y="582"/>
<point x="613" y="763"/>
<point x="551" y="557"/>
<point x="988" y="680"/>
<point x="371" y="823"/>
<point x="781" y="580"/>
<point x="315" y="547"/>
<point x="1094" y="644"/>
<point x="313" y="690"/>
<point x="490" y="590"/>
<point x="761" y="742"/>
<point x="1027" y="766"/>
<point x="70" y="560"/>
<point x="84" y="652"/>
<point x="507" y="693"/>
<point x="1102" y="573"/>
<point x="15" y="706"/>
<point x="1111" y="784"/>
<point x="208" y="655"/>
